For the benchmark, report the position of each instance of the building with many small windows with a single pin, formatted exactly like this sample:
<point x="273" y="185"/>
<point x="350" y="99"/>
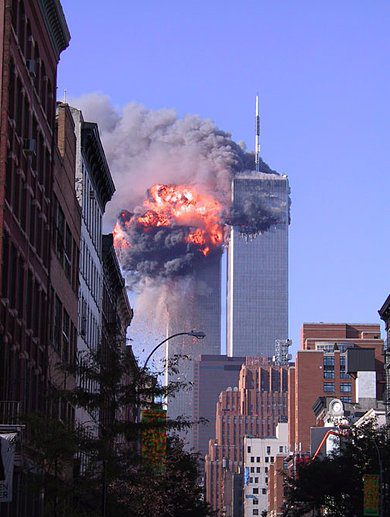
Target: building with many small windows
<point x="259" y="455"/>
<point x="33" y="34"/>
<point x="254" y="408"/>
<point x="321" y="371"/>
<point x="64" y="267"/>
<point x="257" y="272"/>
<point x="94" y="188"/>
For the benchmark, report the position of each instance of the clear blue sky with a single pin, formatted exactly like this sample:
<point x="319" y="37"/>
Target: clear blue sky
<point x="322" y="70"/>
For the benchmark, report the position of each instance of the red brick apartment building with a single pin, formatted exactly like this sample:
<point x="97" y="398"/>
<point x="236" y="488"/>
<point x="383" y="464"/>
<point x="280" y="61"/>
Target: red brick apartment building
<point x="32" y="36"/>
<point x="253" y="408"/>
<point x="320" y="370"/>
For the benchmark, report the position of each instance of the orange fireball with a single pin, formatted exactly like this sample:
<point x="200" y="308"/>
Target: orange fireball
<point x="178" y="206"/>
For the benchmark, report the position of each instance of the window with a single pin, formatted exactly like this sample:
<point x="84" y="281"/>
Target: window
<point x="266" y="470"/>
<point x="346" y="399"/>
<point x="328" y="366"/>
<point x="252" y="459"/>
<point x="263" y="491"/>
<point x="258" y="459"/>
<point x="345" y="387"/>
<point x="255" y="501"/>
<point x="249" y="449"/>
<point x="267" y="459"/>
<point x="343" y="373"/>
<point x="328" y="387"/>
<point x="256" y="480"/>
<point x="252" y="469"/>
<point x="258" y="470"/>
<point x="272" y="459"/>
<point x="268" y="450"/>
<point x="255" y="490"/>
<point x="281" y="448"/>
<point x="328" y="374"/>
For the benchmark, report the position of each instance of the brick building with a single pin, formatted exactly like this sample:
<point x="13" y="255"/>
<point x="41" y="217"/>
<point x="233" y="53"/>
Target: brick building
<point x="64" y="266"/>
<point x="254" y="408"/>
<point x="32" y="36"/>
<point x="275" y="486"/>
<point x="320" y="370"/>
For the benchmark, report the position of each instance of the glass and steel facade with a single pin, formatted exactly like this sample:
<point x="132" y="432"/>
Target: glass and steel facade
<point x="257" y="292"/>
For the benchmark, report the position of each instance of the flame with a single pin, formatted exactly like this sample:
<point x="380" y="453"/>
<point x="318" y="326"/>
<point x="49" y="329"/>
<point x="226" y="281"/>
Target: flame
<point x="179" y="206"/>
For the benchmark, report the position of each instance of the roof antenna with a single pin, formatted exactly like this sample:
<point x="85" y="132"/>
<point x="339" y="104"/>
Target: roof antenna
<point x="64" y="96"/>
<point x="257" y="139"/>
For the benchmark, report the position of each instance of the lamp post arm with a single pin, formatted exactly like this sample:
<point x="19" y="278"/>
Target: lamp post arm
<point x="160" y="344"/>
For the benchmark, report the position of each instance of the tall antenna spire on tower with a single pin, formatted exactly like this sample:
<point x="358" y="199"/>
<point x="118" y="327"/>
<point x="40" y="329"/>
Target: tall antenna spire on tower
<point x="257" y="139"/>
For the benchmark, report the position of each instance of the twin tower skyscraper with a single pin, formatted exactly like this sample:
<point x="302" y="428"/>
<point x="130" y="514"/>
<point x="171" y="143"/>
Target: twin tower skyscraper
<point x="256" y="283"/>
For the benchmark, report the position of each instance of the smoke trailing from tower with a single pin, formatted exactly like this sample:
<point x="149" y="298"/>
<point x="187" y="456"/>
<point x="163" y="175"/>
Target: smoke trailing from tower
<point x="172" y="205"/>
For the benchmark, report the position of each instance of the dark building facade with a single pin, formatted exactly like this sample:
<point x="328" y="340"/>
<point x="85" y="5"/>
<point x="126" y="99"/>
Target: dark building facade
<point x="116" y="318"/>
<point x="212" y="374"/>
<point x="195" y="306"/>
<point x="384" y="313"/>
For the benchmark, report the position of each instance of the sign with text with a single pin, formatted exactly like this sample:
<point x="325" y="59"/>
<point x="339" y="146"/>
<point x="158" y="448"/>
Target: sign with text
<point x="371" y="494"/>
<point x="154" y="436"/>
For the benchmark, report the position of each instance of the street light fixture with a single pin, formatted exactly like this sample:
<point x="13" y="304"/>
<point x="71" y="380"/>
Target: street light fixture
<point x="198" y="334"/>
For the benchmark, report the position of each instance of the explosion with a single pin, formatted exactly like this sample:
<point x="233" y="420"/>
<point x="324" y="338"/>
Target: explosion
<point x="176" y="228"/>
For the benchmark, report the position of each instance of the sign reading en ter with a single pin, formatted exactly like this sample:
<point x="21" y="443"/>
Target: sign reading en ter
<point x="154" y="437"/>
<point x="371" y="494"/>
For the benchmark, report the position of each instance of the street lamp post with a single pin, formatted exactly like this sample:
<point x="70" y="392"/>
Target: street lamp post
<point x="198" y="334"/>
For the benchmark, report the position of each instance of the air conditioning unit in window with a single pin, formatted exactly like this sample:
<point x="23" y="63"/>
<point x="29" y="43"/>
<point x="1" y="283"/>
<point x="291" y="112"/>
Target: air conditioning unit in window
<point x="31" y="67"/>
<point x="30" y="145"/>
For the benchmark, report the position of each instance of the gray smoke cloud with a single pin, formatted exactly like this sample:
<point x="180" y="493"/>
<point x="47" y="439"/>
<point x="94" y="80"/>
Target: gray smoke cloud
<point x="144" y="147"/>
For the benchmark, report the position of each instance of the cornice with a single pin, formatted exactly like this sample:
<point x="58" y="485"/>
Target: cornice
<point x="94" y="153"/>
<point x="384" y="311"/>
<point x="56" y="25"/>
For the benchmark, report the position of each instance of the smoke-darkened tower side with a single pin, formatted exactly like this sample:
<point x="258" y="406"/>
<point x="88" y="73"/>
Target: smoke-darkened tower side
<point x="257" y="293"/>
<point x="195" y="305"/>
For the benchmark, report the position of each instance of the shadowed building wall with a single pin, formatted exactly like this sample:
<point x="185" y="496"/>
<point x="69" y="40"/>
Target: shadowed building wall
<point x="196" y="306"/>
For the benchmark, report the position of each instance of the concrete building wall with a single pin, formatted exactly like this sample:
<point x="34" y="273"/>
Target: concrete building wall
<point x="259" y="455"/>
